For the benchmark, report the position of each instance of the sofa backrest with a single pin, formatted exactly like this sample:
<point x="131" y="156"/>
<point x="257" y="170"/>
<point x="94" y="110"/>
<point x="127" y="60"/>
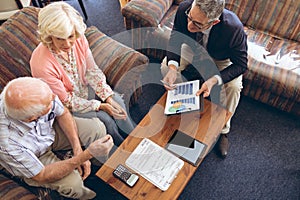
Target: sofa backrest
<point x="18" y="38"/>
<point x="148" y="13"/>
<point x="279" y="18"/>
<point x="242" y="8"/>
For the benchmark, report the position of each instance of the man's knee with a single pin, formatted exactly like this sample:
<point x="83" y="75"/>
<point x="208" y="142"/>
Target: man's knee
<point x="73" y="187"/>
<point x="89" y="129"/>
<point x="234" y="87"/>
<point x="98" y="128"/>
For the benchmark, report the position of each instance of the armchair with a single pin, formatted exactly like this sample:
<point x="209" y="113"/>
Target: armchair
<point x="151" y="23"/>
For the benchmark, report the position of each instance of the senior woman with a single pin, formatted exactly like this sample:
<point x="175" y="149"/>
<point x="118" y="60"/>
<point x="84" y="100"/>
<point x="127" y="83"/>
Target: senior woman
<point x="64" y="61"/>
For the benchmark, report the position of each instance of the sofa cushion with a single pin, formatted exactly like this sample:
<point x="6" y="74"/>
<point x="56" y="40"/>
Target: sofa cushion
<point x="18" y="38"/>
<point x="275" y="82"/>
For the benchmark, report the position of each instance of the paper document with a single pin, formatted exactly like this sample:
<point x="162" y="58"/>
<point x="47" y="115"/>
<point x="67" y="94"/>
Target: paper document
<point x="154" y="163"/>
<point x="183" y="98"/>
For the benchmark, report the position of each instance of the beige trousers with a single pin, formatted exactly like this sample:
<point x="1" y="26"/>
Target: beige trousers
<point x="72" y="185"/>
<point x="230" y="92"/>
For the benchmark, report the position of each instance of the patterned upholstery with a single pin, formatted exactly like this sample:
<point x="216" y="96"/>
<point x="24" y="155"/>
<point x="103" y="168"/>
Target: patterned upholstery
<point x="122" y="65"/>
<point x="18" y="38"/>
<point x="243" y="9"/>
<point x="150" y="22"/>
<point x="270" y="24"/>
<point x="11" y="190"/>
<point x="148" y="13"/>
<point x="279" y="18"/>
<point x="274" y="84"/>
<point x="276" y="30"/>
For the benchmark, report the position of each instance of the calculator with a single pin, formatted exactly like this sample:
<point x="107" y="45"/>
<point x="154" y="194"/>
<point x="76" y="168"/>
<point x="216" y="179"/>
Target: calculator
<point x="125" y="175"/>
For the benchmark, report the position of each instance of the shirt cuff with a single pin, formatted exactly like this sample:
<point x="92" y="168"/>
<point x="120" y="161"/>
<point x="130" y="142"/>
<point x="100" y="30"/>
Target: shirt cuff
<point x="173" y="62"/>
<point x="96" y="104"/>
<point x="220" y="81"/>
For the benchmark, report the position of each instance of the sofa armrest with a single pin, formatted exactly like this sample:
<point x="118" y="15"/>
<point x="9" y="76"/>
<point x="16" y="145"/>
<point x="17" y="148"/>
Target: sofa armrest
<point x="9" y="189"/>
<point x="121" y="65"/>
<point x="147" y="13"/>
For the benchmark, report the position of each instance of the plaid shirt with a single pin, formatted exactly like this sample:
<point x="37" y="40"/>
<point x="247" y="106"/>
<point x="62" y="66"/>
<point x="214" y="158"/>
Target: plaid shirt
<point x="22" y="143"/>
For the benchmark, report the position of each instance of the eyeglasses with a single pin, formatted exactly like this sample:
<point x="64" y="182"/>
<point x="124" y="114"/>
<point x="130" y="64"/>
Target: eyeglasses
<point x="197" y="24"/>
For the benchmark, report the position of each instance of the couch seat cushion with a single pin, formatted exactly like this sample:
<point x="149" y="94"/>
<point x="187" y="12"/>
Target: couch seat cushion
<point x="270" y="80"/>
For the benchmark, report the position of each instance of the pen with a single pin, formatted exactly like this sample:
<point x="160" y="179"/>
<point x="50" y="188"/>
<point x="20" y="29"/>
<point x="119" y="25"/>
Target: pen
<point x="168" y="84"/>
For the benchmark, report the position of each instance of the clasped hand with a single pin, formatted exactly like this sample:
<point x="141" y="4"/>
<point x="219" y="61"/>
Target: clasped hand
<point x="113" y="109"/>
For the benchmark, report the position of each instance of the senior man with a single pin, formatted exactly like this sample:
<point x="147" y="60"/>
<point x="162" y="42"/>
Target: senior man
<point x="33" y="122"/>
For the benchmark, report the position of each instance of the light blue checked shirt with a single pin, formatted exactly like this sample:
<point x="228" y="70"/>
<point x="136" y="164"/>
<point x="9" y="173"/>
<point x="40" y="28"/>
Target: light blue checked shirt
<point x="22" y="143"/>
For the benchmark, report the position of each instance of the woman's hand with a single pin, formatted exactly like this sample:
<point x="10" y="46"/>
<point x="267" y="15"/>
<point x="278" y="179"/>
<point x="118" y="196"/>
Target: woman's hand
<point x="113" y="109"/>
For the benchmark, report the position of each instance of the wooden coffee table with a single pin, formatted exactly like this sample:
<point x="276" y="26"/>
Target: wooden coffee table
<point x="205" y="126"/>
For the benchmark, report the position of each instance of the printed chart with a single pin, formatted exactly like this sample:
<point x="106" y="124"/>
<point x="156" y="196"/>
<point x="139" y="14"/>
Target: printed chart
<point x="183" y="98"/>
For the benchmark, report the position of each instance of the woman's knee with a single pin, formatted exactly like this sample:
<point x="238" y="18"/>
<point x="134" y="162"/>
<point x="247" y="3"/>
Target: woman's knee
<point x="108" y="121"/>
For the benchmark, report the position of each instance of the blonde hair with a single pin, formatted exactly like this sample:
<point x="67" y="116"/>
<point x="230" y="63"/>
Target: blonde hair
<point x="59" y="19"/>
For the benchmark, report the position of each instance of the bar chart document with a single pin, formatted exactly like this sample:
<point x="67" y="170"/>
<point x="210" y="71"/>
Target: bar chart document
<point x="183" y="98"/>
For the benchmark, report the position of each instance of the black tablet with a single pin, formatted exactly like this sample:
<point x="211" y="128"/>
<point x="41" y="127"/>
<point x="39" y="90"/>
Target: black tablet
<point x="186" y="147"/>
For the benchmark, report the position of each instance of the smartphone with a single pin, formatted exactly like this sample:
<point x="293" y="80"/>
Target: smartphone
<point x="125" y="175"/>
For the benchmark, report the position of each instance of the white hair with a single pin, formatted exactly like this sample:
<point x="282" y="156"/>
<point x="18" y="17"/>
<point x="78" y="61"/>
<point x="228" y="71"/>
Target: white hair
<point x="26" y="89"/>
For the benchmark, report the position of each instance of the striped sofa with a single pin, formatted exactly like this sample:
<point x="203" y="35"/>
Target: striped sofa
<point x="273" y="33"/>
<point x="18" y="38"/>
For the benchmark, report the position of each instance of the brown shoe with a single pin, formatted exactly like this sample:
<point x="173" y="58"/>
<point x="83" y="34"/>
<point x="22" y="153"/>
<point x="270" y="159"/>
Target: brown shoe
<point x="223" y="145"/>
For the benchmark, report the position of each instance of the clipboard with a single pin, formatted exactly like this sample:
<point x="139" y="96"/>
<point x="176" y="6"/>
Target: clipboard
<point x="154" y="163"/>
<point x="183" y="98"/>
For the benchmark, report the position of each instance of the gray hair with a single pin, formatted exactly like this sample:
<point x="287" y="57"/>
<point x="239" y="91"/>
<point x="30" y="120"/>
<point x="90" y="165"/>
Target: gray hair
<point x="25" y="89"/>
<point x="211" y="8"/>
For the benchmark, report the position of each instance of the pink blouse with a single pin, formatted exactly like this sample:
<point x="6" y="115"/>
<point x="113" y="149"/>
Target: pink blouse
<point x="72" y="92"/>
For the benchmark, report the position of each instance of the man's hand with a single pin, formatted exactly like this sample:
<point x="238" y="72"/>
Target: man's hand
<point x="113" y="109"/>
<point x="85" y="169"/>
<point x="170" y="77"/>
<point x="207" y="86"/>
<point x="101" y="147"/>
